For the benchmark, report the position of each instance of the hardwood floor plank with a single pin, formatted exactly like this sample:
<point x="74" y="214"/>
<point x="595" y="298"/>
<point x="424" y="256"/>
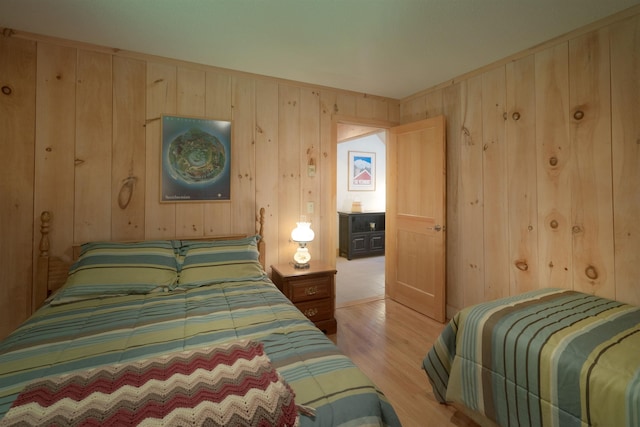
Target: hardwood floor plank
<point x="388" y="342"/>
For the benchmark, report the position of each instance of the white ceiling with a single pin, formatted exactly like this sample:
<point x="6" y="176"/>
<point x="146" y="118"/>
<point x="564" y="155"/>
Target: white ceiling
<point x="391" y="48"/>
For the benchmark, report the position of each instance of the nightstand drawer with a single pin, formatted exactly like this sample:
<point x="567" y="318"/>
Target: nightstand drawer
<point x="316" y="310"/>
<point x="304" y="289"/>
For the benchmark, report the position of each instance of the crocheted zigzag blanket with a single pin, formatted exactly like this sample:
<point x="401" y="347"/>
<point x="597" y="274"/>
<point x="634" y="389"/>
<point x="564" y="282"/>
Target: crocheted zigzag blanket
<point x="227" y="384"/>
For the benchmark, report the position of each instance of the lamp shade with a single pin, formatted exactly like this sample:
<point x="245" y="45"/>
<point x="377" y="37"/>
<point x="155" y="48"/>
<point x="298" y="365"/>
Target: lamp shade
<point x="302" y="233"/>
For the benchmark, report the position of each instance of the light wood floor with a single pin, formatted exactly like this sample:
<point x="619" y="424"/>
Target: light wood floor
<point x="359" y="279"/>
<point x="388" y="342"/>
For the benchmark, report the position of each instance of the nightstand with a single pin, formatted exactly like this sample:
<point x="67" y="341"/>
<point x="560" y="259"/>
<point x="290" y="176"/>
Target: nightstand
<point x="311" y="290"/>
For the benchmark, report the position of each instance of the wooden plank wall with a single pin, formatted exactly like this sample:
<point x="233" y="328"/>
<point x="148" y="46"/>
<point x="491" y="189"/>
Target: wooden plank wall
<point x="17" y="141"/>
<point x="80" y="134"/>
<point x="543" y="168"/>
<point x="542" y="165"/>
<point x="625" y="136"/>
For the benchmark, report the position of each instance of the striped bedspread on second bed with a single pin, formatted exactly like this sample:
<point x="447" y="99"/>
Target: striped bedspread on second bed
<point x="548" y="357"/>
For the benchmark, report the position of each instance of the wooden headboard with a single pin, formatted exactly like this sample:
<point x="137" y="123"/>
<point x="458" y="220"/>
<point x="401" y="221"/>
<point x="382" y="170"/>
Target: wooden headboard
<point x="52" y="271"/>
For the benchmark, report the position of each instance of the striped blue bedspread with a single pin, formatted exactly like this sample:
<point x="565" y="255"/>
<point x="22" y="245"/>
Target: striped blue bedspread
<point x="549" y="357"/>
<point x="98" y="332"/>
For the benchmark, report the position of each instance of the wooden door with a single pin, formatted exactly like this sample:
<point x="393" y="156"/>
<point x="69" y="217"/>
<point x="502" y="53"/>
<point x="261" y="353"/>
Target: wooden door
<point x="415" y="237"/>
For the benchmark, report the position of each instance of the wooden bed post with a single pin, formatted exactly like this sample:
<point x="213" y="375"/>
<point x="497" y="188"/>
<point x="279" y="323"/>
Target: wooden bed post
<point x="261" y="244"/>
<point x="51" y="271"/>
<point x="45" y="219"/>
<point x="261" y="221"/>
<point x="41" y="279"/>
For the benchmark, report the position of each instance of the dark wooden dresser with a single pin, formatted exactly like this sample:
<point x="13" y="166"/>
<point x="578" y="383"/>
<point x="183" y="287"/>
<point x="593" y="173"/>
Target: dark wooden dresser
<point x="361" y="234"/>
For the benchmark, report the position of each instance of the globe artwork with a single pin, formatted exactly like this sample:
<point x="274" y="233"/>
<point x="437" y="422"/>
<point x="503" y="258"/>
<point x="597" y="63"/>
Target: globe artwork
<point x="196" y="157"/>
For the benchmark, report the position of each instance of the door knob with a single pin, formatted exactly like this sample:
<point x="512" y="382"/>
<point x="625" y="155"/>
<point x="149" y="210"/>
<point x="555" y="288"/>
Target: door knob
<point x="437" y="227"/>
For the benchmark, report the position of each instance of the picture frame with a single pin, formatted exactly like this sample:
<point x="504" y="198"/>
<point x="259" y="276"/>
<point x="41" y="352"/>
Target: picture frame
<point x="362" y="171"/>
<point x="195" y="159"/>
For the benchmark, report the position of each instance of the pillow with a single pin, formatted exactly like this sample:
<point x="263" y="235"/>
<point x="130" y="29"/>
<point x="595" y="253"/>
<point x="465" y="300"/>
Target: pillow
<point x="219" y="261"/>
<point x="111" y="269"/>
<point x="249" y="245"/>
<point x="231" y="383"/>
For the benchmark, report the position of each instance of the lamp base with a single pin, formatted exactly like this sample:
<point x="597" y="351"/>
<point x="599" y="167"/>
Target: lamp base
<point x="301" y="257"/>
<point x="301" y="266"/>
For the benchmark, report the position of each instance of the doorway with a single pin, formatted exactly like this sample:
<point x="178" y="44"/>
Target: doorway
<point x="415" y="266"/>
<point x="361" y="278"/>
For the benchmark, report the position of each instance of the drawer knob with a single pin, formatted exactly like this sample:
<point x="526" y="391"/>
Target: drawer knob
<point x="310" y="312"/>
<point x="311" y="290"/>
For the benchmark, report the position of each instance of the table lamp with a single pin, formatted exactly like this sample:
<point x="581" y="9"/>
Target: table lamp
<point x="302" y="235"/>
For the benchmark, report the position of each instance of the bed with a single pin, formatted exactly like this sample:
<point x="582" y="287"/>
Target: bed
<point x="549" y="357"/>
<point x="176" y="332"/>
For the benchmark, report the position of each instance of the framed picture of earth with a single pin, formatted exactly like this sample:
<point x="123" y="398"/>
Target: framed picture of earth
<point x="196" y="158"/>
